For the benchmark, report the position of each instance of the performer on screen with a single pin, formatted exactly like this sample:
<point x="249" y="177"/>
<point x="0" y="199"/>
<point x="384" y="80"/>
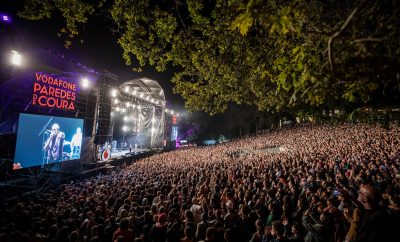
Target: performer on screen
<point x="55" y="144"/>
<point x="76" y="143"/>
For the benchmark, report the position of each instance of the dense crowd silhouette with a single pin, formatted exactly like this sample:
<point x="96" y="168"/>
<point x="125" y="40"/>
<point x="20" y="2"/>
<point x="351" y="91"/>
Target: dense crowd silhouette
<point x="306" y="183"/>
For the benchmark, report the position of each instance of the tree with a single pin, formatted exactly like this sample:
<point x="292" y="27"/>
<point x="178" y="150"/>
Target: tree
<point x="271" y="54"/>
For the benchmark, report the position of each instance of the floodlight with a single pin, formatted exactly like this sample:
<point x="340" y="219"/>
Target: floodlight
<point x="85" y="82"/>
<point x="16" y="58"/>
<point x="114" y="92"/>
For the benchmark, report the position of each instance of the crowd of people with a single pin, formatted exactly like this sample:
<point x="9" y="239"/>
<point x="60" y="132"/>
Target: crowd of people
<point x="306" y="183"/>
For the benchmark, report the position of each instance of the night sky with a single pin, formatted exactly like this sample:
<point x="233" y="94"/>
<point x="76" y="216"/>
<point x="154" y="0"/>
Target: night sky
<point x="99" y="49"/>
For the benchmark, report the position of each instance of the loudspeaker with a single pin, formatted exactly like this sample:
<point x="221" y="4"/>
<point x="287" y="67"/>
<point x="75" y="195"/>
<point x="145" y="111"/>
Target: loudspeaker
<point x="103" y="131"/>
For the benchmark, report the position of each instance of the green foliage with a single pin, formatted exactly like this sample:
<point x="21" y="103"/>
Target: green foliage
<point x="74" y="12"/>
<point x="270" y="54"/>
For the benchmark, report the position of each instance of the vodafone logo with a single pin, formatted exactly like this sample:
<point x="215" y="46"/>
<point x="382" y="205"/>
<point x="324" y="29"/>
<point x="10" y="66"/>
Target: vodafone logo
<point x="105" y="155"/>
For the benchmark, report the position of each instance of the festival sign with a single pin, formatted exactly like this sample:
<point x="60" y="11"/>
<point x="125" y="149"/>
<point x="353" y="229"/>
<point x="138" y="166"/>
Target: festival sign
<point x="53" y="92"/>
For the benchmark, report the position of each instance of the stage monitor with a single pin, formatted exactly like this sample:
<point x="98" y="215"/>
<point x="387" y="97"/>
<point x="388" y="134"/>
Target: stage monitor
<point x="42" y="140"/>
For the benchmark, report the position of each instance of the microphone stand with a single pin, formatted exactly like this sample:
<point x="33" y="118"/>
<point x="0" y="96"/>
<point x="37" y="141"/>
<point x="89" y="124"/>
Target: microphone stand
<point x="43" y="133"/>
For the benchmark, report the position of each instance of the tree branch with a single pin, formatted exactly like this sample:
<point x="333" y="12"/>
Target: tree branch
<point x="369" y="39"/>
<point x="179" y="15"/>
<point x="337" y="33"/>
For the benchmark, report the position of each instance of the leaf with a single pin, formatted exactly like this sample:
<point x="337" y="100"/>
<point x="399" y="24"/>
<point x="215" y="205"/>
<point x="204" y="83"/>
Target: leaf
<point x="243" y="22"/>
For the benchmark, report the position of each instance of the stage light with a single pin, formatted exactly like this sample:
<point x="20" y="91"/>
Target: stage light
<point x="141" y="95"/>
<point x="128" y="104"/>
<point x="16" y="58"/>
<point x="153" y="130"/>
<point x="5" y="18"/>
<point x="114" y="92"/>
<point x="153" y="120"/>
<point x="124" y="128"/>
<point x="123" y="110"/>
<point x="166" y="110"/>
<point x="126" y="119"/>
<point x="126" y="89"/>
<point x="177" y="114"/>
<point x="118" y="109"/>
<point x="85" y="82"/>
<point x="172" y="112"/>
<point x="147" y="98"/>
<point x="116" y="101"/>
<point x="134" y="92"/>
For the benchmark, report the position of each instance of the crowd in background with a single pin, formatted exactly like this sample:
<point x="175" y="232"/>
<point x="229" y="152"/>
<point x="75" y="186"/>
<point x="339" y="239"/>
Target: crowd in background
<point x="305" y="183"/>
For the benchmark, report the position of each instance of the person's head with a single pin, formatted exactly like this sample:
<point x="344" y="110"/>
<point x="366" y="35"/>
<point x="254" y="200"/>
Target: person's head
<point x="296" y="228"/>
<point x="369" y="196"/>
<point x="228" y="235"/>
<point x="74" y="236"/>
<point x="55" y="128"/>
<point x="211" y="233"/>
<point x="162" y="218"/>
<point x="259" y="225"/>
<point x="277" y="229"/>
<point x="204" y="217"/>
<point x="189" y="215"/>
<point x="62" y="233"/>
<point x="188" y="232"/>
<point x="229" y="205"/>
<point x="124" y="224"/>
<point x="325" y="218"/>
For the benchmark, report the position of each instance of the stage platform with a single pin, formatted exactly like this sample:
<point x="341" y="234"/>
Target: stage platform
<point x="116" y="154"/>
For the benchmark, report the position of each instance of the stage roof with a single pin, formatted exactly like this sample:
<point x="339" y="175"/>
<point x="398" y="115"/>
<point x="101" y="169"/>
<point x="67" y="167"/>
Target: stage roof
<point x="144" y="88"/>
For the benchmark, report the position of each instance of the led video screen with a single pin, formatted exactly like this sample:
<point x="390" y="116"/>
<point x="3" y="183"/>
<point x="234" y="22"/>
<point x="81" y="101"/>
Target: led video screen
<point x="174" y="133"/>
<point x="42" y="140"/>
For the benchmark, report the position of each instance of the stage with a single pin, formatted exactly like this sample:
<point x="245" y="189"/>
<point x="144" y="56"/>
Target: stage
<point x="119" y="153"/>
